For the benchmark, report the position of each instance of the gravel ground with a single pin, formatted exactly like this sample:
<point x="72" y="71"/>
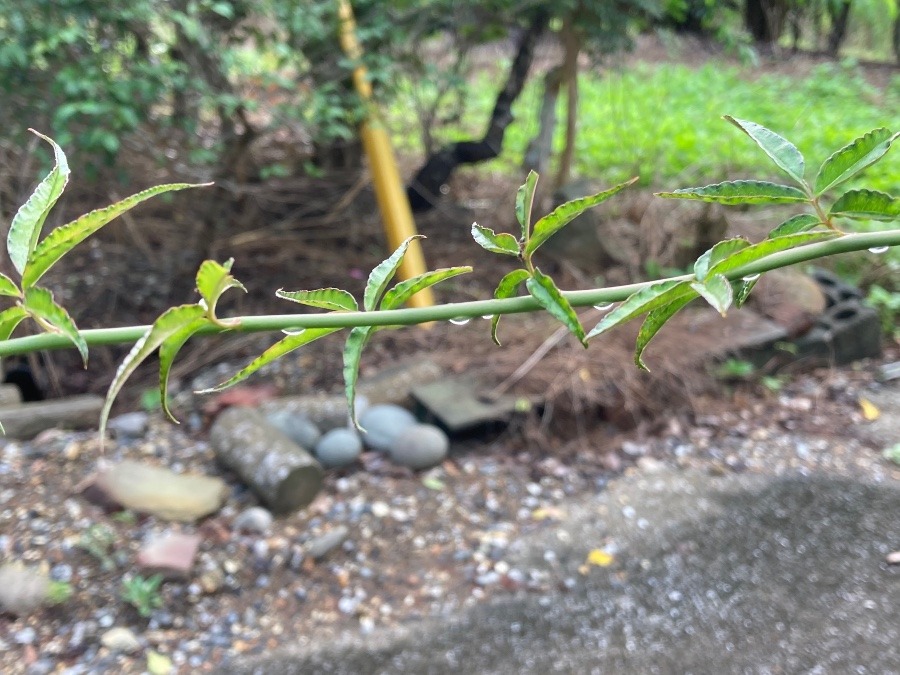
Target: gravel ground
<point x="403" y="546"/>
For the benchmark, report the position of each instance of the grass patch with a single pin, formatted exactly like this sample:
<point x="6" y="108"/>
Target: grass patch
<point x="663" y="121"/>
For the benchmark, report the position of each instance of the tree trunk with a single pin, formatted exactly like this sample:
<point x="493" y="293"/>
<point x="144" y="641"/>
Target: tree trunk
<point x="541" y="146"/>
<point x="570" y="77"/>
<point x="897" y="37"/>
<point x="756" y="21"/>
<point x="839" y="19"/>
<point x="425" y="188"/>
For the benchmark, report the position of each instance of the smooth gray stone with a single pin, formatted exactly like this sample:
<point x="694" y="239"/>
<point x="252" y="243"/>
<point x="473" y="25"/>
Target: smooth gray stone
<point x="338" y="447"/>
<point x="27" y="420"/>
<point x="741" y="574"/>
<point x="296" y="427"/>
<point x="384" y="424"/>
<point x="420" y="446"/>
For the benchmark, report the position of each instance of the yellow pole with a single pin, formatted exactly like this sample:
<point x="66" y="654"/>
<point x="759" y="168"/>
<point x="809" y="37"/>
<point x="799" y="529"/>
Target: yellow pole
<point x="392" y="200"/>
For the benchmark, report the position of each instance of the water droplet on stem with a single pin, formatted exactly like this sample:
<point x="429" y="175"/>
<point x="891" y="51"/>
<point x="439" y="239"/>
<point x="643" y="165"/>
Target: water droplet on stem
<point x="460" y="321"/>
<point x="750" y="277"/>
<point x="879" y="249"/>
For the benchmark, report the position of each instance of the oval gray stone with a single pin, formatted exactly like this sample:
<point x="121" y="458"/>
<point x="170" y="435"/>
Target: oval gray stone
<point x="384" y="424"/>
<point x="296" y="427"/>
<point x="420" y="446"/>
<point x="255" y="519"/>
<point x="338" y="447"/>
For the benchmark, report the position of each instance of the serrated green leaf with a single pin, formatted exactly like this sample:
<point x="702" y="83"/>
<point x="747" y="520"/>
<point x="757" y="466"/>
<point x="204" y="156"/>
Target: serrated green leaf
<point x="506" y="289"/>
<point x="8" y="287"/>
<point x="383" y="273"/>
<point x="353" y="349"/>
<point x="9" y="320"/>
<point x="168" y="350"/>
<point x="742" y="289"/>
<point x="716" y="254"/>
<point x="489" y="240"/>
<point x="61" y="240"/>
<point x="564" y="214"/>
<point x="766" y="247"/>
<point x="853" y="158"/>
<point x="740" y="192"/>
<point x="213" y="279"/>
<point x="166" y="325"/>
<point x="781" y="151"/>
<point x="547" y="294"/>
<point x="644" y="300"/>
<point x="404" y="290"/>
<point x="795" y="225"/>
<point x="866" y="205"/>
<point x="38" y="302"/>
<point x="655" y="320"/>
<point x="717" y="291"/>
<point x="276" y="351"/>
<point x="25" y="229"/>
<point x="335" y="299"/>
<point x="524" y="202"/>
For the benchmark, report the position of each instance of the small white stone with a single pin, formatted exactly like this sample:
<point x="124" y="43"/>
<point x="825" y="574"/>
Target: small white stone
<point x="120" y="639"/>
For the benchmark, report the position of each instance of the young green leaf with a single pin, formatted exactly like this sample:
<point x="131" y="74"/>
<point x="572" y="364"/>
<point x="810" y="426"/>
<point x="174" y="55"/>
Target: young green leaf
<point x="284" y="346"/>
<point x="716" y="254"/>
<point x="404" y="290"/>
<point x="767" y="247"/>
<point x="39" y="303"/>
<point x="795" y="225"/>
<point x="564" y="214"/>
<point x="213" y="279"/>
<point x="507" y="288"/>
<point x="524" y="202"/>
<point x="655" y="320"/>
<point x="853" y="158"/>
<point x="25" y="229"/>
<point x="383" y="273"/>
<point x="545" y="292"/>
<point x="780" y="150"/>
<point x="61" y="240"/>
<point x="353" y="349"/>
<point x="866" y="205"/>
<point x="166" y="325"/>
<point x="335" y="299"/>
<point x="740" y="192"/>
<point x="487" y="239"/>
<point x="9" y="320"/>
<point x="168" y="350"/>
<point x="742" y="289"/>
<point x="644" y="300"/>
<point x="717" y="291"/>
<point x="8" y="287"/>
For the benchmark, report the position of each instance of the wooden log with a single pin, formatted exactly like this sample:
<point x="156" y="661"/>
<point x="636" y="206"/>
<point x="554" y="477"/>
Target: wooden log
<point x="10" y="395"/>
<point x="27" y="420"/>
<point x="279" y="471"/>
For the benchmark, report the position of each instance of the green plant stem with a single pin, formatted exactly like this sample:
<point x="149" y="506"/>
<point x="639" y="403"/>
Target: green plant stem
<point x="404" y="317"/>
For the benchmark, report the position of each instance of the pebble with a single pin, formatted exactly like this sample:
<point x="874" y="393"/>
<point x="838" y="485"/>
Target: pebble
<point x="420" y="446"/>
<point x="384" y="424"/>
<point x="321" y="546"/>
<point x="338" y="447"/>
<point x="120" y="639"/>
<point x="296" y="427"/>
<point x="131" y="425"/>
<point x="255" y="519"/>
<point x="26" y="636"/>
